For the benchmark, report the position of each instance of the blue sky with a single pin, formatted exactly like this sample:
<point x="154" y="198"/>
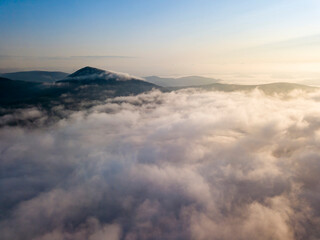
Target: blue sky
<point x="161" y="37"/>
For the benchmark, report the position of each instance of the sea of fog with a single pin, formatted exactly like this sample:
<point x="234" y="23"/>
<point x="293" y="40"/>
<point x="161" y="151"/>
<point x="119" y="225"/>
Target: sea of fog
<point x="186" y="164"/>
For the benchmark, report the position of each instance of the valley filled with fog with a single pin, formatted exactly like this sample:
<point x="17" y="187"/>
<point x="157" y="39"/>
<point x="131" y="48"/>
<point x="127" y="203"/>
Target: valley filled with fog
<point x="181" y="164"/>
<point x="160" y="120"/>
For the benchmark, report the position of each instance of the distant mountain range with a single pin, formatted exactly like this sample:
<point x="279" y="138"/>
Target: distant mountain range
<point x="269" y="88"/>
<point x="181" y="81"/>
<point x="53" y="76"/>
<point x="85" y="85"/>
<point x="313" y="82"/>
<point x="36" y="76"/>
<point x="88" y="85"/>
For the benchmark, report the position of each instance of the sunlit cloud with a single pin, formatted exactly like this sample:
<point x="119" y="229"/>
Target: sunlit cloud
<point x="181" y="165"/>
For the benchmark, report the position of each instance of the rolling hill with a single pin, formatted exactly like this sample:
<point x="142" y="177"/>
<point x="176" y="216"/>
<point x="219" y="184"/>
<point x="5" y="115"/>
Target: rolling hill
<point x="36" y="76"/>
<point x="181" y="82"/>
<point x="85" y="85"/>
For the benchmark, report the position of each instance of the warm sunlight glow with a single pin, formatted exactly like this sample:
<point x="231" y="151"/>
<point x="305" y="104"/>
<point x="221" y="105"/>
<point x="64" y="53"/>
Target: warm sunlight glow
<point x="160" y="119"/>
<point x="149" y="38"/>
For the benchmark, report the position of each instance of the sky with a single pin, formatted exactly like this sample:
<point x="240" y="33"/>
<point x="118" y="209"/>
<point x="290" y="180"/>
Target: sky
<point x="232" y="39"/>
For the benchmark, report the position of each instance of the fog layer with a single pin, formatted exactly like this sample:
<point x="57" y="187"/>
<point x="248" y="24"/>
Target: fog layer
<point x="179" y="165"/>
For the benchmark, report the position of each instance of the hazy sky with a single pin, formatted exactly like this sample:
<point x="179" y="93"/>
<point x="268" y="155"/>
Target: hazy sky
<point x="163" y="37"/>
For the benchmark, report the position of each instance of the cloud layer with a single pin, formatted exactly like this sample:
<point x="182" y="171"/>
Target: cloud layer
<point x="178" y="165"/>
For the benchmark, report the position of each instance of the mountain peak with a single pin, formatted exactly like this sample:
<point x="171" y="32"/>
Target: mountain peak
<point x="87" y="71"/>
<point x="92" y="75"/>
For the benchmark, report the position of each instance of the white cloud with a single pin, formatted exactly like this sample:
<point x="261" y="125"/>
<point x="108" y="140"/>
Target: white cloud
<point x="179" y="165"/>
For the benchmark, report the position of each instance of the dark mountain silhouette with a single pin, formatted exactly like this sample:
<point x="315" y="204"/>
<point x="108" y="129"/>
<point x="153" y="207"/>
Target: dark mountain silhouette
<point x="36" y="76"/>
<point x="12" y="91"/>
<point x="90" y="75"/>
<point x="88" y="85"/>
<point x="83" y="86"/>
<point x="86" y="71"/>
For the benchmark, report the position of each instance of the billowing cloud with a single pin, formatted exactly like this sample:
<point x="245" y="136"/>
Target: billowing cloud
<point x="178" y="165"/>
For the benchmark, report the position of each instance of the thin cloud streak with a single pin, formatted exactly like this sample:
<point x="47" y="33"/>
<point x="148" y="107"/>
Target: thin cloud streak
<point x="64" y="58"/>
<point x="101" y="57"/>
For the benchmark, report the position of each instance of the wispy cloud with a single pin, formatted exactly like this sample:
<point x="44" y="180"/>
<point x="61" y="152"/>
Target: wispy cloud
<point x="313" y="40"/>
<point x="101" y="57"/>
<point x="66" y="58"/>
